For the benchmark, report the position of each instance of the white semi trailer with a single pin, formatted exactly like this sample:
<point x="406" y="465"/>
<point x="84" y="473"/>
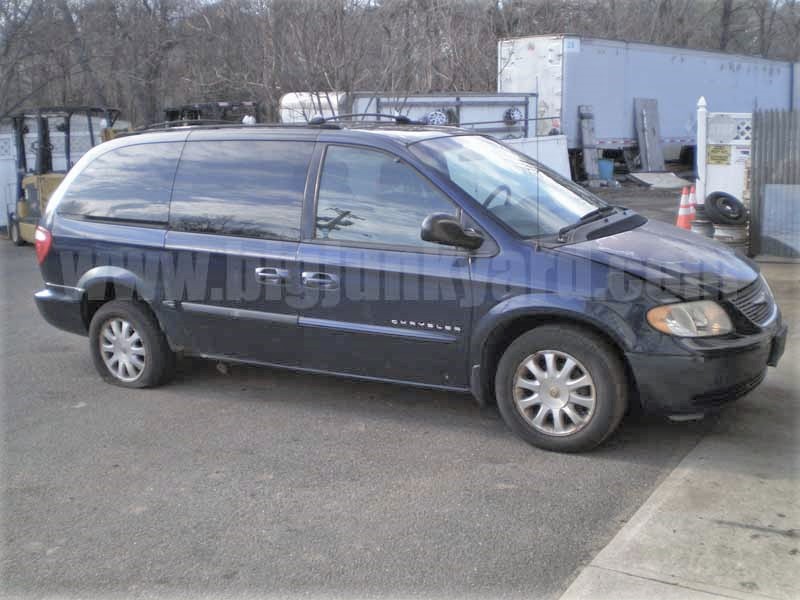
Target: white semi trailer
<point x="567" y="71"/>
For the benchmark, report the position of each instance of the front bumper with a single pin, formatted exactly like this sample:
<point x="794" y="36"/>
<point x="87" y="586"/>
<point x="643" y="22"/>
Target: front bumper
<point x="712" y="374"/>
<point x="62" y="307"/>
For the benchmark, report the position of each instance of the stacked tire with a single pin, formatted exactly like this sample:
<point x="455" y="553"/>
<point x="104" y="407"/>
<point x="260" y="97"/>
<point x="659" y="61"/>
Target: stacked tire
<point x="729" y="217"/>
<point x="701" y="224"/>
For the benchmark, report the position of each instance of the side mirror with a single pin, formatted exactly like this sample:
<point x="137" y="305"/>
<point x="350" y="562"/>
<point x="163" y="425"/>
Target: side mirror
<point x="445" y="229"/>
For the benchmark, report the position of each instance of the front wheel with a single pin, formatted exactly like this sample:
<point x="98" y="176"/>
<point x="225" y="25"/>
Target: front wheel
<point x="561" y="388"/>
<point x="128" y="347"/>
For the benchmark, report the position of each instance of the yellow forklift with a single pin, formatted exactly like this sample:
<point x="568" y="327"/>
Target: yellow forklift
<point x="36" y="182"/>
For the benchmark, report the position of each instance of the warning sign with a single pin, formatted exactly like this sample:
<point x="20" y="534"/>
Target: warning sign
<point x="741" y="155"/>
<point x="719" y="154"/>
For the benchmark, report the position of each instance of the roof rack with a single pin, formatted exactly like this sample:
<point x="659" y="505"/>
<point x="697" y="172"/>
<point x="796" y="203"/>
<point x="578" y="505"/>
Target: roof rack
<point x="212" y="124"/>
<point x="399" y="119"/>
<point x="316" y="122"/>
<point x="184" y="123"/>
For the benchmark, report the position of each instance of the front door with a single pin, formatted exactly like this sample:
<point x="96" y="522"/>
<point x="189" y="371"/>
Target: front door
<point x="234" y="228"/>
<point x="378" y="301"/>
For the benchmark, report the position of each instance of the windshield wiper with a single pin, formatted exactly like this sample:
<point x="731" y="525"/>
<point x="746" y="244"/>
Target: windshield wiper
<point x="589" y="217"/>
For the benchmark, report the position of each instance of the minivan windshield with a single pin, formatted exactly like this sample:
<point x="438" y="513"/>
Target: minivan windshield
<point x="530" y="199"/>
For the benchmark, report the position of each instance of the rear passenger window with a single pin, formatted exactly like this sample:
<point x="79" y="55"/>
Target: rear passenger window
<point x="242" y="188"/>
<point x="370" y="196"/>
<point x="131" y="183"/>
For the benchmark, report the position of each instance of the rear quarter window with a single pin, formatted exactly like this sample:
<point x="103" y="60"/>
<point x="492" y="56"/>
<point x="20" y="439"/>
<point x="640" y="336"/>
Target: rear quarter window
<point x="130" y="183"/>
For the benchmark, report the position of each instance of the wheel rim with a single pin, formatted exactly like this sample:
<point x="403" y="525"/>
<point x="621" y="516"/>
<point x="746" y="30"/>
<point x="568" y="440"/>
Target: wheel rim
<point x="728" y="208"/>
<point x="122" y="349"/>
<point x="554" y="393"/>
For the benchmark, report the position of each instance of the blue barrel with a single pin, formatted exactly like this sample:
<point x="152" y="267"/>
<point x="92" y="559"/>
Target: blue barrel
<point x="606" y="167"/>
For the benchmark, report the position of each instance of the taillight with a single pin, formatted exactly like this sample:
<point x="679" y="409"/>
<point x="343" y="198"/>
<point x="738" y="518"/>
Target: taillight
<point x="43" y="242"/>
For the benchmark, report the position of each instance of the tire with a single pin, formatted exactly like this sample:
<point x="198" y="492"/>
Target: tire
<point x="724" y="209"/>
<point x="149" y="346"/>
<point x="13" y="233"/>
<point x="594" y="357"/>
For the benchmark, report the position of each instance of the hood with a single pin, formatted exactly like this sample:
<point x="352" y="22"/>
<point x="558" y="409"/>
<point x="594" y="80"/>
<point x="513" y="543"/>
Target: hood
<point x="684" y="263"/>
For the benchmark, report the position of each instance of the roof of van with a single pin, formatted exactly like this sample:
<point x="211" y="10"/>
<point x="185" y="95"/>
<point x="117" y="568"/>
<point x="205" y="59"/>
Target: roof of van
<point x="353" y="131"/>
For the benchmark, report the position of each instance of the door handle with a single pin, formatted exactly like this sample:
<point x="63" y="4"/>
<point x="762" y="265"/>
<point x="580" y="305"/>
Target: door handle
<point x="325" y="281"/>
<point x="271" y="275"/>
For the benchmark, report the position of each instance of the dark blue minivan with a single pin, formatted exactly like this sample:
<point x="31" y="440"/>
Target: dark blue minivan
<point x="394" y="252"/>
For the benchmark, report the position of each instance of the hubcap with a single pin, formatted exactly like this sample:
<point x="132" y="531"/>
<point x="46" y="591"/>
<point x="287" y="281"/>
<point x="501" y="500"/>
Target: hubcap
<point x="554" y="392"/>
<point x="122" y="349"/>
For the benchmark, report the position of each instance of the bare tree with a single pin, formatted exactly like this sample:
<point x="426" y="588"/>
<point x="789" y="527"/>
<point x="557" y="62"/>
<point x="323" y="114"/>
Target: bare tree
<point x="99" y="96"/>
<point x="141" y="55"/>
<point x="765" y="15"/>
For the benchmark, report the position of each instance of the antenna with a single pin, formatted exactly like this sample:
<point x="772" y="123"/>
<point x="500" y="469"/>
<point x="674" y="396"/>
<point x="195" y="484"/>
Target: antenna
<point x="538" y="160"/>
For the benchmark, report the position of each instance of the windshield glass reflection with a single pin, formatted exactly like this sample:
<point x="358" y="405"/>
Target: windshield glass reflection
<point x="529" y="199"/>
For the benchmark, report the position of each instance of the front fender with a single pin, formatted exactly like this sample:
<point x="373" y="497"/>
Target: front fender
<point x="599" y="315"/>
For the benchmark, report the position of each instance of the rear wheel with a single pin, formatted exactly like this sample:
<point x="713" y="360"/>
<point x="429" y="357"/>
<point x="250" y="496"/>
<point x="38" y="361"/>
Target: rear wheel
<point x="561" y="388"/>
<point x="128" y="347"/>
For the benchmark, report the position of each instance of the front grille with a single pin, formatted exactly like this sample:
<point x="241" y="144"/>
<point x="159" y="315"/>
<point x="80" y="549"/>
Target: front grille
<point x="720" y="397"/>
<point x="754" y="302"/>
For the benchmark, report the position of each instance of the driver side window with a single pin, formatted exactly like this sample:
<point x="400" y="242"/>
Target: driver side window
<point x="470" y="180"/>
<point x="368" y="196"/>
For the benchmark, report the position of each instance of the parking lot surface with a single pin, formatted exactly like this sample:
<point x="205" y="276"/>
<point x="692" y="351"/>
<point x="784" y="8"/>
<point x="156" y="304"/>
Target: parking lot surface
<point x="269" y="483"/>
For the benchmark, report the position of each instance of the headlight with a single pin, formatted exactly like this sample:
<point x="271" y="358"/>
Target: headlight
<point x="690" y="319"/>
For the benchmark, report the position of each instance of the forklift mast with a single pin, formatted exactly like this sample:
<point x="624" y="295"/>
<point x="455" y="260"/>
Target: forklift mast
<point x="44" y="149"/>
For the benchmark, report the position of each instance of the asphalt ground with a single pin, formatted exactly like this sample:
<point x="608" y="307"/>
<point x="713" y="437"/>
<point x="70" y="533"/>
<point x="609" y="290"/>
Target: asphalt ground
<point x="266" y="483"/>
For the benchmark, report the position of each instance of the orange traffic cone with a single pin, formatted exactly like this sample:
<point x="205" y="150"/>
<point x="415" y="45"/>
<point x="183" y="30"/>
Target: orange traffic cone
<point x="693" y="203"/>
<point x="684" y="211"/>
